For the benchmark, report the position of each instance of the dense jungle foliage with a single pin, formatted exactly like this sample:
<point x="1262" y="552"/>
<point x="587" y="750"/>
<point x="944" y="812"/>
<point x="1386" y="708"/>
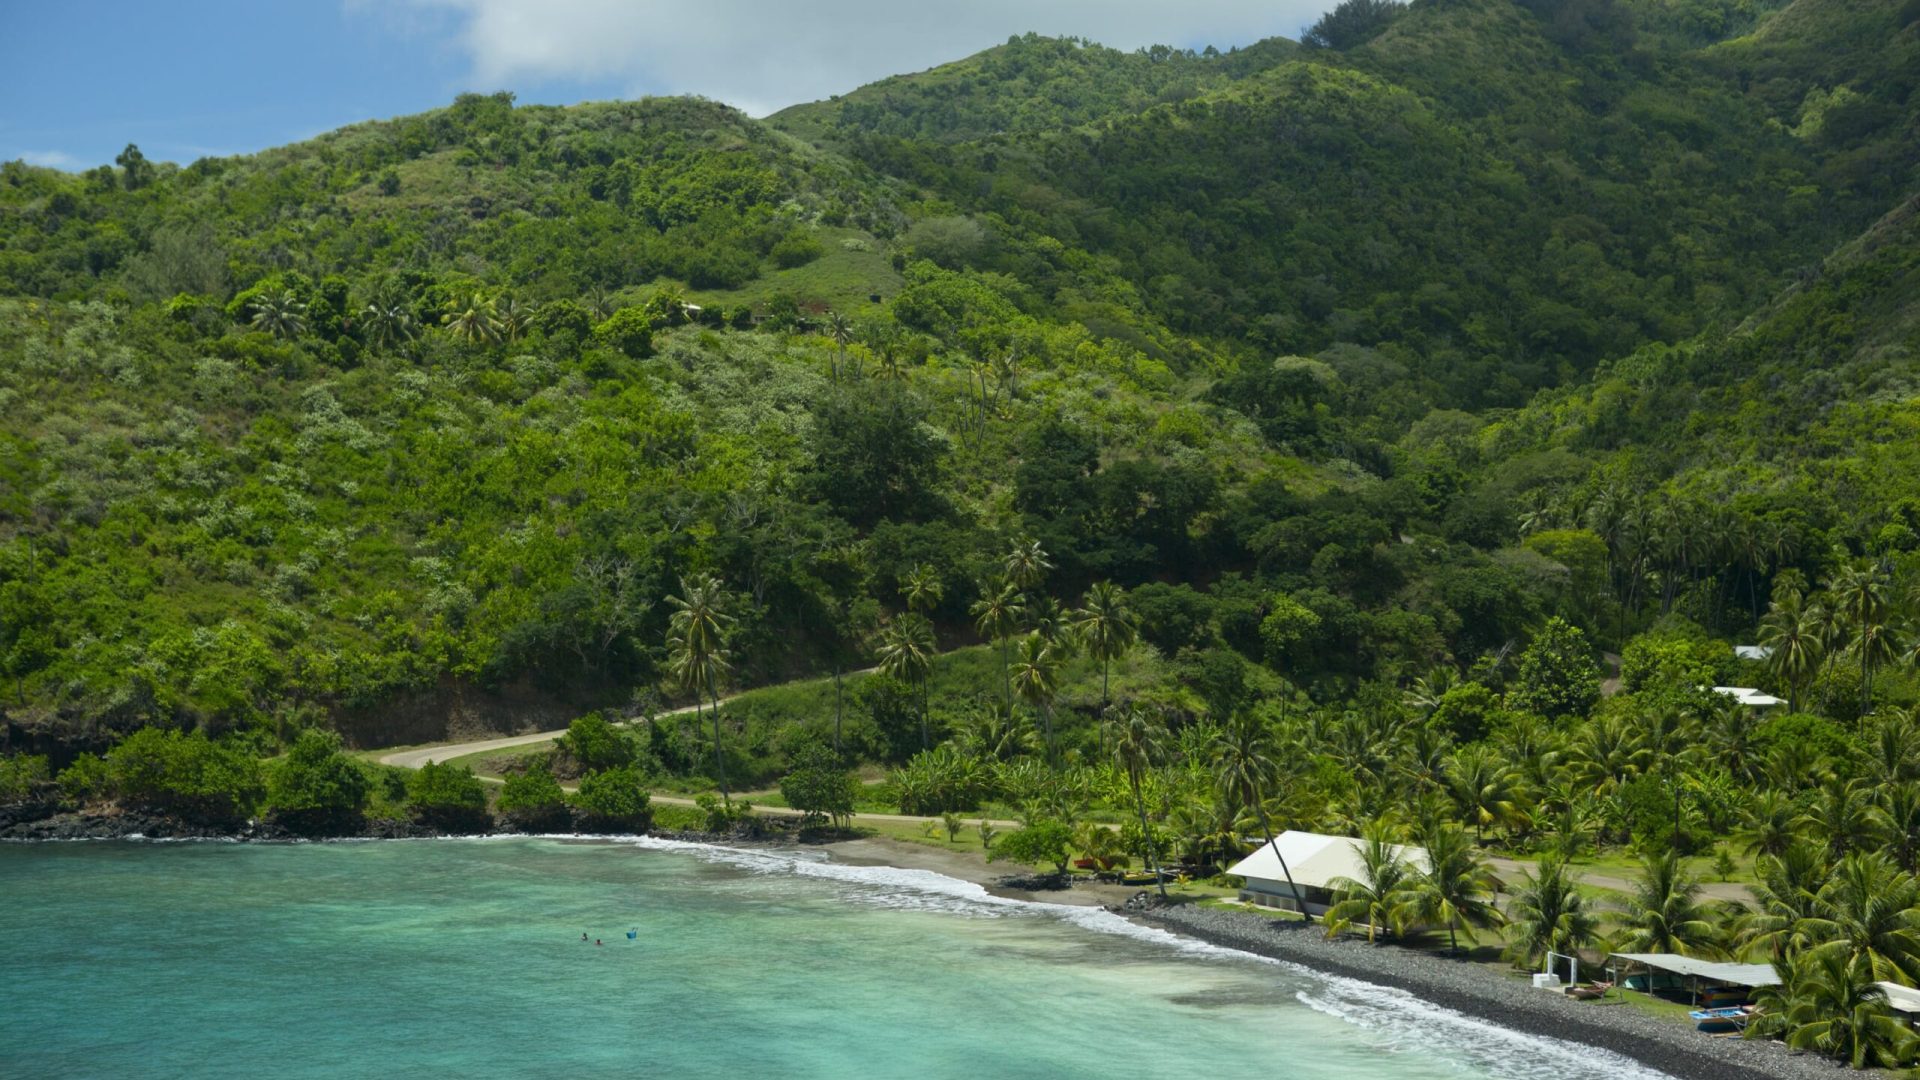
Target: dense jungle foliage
<point x="1404" y="424"/>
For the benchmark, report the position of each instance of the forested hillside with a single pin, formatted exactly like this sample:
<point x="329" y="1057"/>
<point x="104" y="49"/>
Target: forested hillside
<point x="1349" y="363"/>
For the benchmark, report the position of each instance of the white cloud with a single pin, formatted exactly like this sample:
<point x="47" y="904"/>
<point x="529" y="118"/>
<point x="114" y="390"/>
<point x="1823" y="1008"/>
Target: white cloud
<point x="52" y="159"/>
<point x="762" y="55"/>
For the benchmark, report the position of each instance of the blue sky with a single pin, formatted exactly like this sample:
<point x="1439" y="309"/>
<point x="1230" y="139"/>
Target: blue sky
<point x="79" y="79"/>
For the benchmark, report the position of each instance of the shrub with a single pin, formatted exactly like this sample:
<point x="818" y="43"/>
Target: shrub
<point x="796" y="249"/>
<point x="614" y="801"/>
<point x="533" y="802"/>
<point x="818" y="786"/>
<point x="87" y="779"/>
<point x="316" y="789"/>
<point x="1044" y="841"/>
<point x="628" y="331"/>
<point x="593" y="745"/>
<point x="184" y="774"/>
<point x="448" y="797"/>
<point x="22" y="776"/>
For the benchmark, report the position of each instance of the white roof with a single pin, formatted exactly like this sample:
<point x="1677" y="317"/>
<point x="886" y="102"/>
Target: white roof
<point x="1747" y="695"/>
<point x="1753" y="652"/>
<point x="1741" y="974"/>
<point x="1317" y="860"/>
<point x="1902" y="998"/>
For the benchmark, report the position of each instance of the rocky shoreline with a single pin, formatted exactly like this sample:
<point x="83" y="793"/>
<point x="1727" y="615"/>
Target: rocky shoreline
<point x="1509" y="1002"/>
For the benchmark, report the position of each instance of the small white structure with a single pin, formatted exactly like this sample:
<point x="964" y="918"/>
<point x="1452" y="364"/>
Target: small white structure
<point x="1750" y="697"/>
<point x="1904" y="1000"/>
<point x="1315" y="862"/>
<point x="1753" y="652"/>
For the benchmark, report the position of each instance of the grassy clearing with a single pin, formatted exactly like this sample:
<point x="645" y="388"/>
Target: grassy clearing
<point x="844" y="277"/>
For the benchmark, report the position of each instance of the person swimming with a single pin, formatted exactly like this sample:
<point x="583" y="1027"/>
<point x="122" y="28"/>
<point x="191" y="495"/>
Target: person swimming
<point x="597" y="941"/>
<point x="633" y="933"/>
<point x="583" y="937"/>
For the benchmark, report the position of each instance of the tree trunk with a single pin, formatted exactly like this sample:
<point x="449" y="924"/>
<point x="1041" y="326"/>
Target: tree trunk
<point x="1266" y="830"/>
<point x="719" y="762"/>
<point x="1146" y="836"/>
<point x="836" y="707"/>
<point x="1006" y="675"/>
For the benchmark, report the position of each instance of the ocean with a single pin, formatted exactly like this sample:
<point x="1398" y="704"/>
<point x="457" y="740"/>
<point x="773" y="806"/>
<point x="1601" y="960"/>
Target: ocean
<point x="463" y="958"/>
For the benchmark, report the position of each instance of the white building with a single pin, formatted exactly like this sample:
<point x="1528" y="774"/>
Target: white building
<point x="1751" y="698"/>
<point x="1315" y="861"/>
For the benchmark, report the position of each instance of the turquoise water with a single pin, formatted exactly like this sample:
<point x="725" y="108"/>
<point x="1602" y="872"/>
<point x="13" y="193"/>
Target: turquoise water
<point x="463" y="958"/>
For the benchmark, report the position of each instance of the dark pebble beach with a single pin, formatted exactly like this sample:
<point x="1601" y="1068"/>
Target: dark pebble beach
<point x="1469" y="988"/>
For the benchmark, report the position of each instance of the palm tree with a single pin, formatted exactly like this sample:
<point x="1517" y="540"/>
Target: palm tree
<point x="1106" y="628"/>
<point x="473" y="320"/>
<point x="279" y="313"/>
<point x="387" y="325"/>
<point x="696" y="646"/>
<point x="1828" y="1003"/>
<point x="1870" y="910"/>
<point x="1791" y="629"/>
<point x="906" y="653"/>
<point x="514" y="317"/>
<point x="1664" y="914"/>
<point x="1486" y="789"/>
<point x="1244" y="759"/>
<point x="1841" y="816"/>
<point x="1035" y="676"/>
<point x="1772" y="822"/>
<point x="1380" y="892"/>
<point x="1456" y="889"/>
<point x="997" y="614"/>
<point x="1548" y="914"/>
<point x="1892" y="743"/>
<point x="1026" y="565"/>
<point x="1860" y="597"/>
<point x="840" y="328"/>
<point x="1787" y="911"/>
<point x="1136" y="741"/>
<point x="1896" y="816"/>
<point x="923" y="588"/>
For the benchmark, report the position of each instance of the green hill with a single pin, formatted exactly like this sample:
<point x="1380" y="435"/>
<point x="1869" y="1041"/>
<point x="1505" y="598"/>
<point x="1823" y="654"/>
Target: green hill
<point x="1339" y="359"/>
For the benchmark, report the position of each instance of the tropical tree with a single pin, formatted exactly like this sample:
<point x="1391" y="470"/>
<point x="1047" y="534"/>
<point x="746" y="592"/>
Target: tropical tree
<point x="697" y="651"/>
<point x="1026" y="565"/>
<point x="278" y="312"/>
<point x="1896" y="816"/>
<point x="387" y="323"/>
<point x="1136" y="739"/>
<point x="1486" y="789"/>
<point x="1870" y="910"/>
<point x="1244" y="760"/>
<point x="1548" y="914"/>
<point x="472" y="319"/>
<point x="1841" y="815"/>
<point x="514" y="317"/>
<point x="1860" y="599"/>
<point x="1664" y="914"/>
<point x="1380" y="893"/>
<point x="1829" y="1003"/>
<point x="1791" y="630"/>
<point x="1035" y="676"/>
<point x="923" y="588"/>
<point x="1106" y="628"/>
<point x="840" y="329"/>
<point x="906" y="653"/>
<point x="1772" y="822"/>
<point x="1787" y="915"/>
<point x="1455" y="890"/>
<point x="997" y="615"/>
